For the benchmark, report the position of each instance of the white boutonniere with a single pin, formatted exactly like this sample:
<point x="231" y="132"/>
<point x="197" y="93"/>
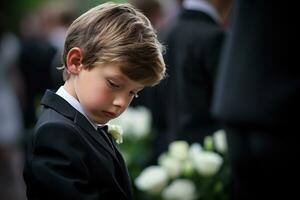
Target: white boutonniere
<point x="116" y="132"/>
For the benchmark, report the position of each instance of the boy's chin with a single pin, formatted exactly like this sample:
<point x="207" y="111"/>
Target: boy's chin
<point x="99" y="120"/>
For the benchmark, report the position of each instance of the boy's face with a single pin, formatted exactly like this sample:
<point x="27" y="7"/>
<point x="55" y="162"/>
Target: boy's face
<point x="104" y="92"/>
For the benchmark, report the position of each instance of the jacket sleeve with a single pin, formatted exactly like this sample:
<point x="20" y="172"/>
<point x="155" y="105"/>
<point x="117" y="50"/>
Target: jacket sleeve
<point x="57" y="164"/>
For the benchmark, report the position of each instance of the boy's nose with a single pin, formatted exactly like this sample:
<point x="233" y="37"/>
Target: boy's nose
<point x="121" y="101"/>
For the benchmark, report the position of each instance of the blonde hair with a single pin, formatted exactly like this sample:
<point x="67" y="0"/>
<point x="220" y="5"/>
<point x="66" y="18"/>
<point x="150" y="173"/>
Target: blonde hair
<point x="117" y="33"/>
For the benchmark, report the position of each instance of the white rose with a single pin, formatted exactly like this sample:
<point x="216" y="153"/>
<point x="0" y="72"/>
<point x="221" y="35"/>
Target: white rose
<point x="116" y="132"/>
<point x="194" y="150"/>
<point x="142" y="122"/>
<point x="170" y="164"/>
<point x="207" y="163"/>
<point x="179" y="150"/>
<point x="152" y="179"/>
<point x="180" y="189"/>
<point x="220" y="141"/>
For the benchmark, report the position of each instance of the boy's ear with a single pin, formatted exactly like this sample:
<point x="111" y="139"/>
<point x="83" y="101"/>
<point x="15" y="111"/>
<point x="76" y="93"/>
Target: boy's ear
<point x="74" y="60"/>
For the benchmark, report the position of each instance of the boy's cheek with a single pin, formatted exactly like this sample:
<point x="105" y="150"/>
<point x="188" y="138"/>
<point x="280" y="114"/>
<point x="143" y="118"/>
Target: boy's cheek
<point x="96" y="100"/>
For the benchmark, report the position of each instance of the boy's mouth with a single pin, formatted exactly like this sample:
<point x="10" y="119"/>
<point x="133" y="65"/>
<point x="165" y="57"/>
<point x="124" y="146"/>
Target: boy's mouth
<point x="110" y="114"/>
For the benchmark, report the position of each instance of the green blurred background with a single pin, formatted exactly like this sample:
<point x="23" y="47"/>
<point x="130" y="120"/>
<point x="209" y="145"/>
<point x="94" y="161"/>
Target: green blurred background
<point x="12" y="11"/>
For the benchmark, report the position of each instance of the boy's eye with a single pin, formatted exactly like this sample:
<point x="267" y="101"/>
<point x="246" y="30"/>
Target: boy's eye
<point x="113" y="85"/>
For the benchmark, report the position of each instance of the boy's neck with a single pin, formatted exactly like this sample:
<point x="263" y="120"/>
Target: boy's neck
<point x="70" y="88"/>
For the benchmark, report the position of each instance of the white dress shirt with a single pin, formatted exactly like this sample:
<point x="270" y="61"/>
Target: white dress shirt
<point x="62" y="92"/>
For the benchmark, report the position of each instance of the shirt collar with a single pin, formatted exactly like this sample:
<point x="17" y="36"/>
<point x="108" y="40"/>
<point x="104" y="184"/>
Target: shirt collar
<point x="62" y="92"/>
<point x="204" y="6"/>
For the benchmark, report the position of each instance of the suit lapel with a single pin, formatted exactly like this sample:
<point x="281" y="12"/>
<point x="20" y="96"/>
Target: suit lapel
<point x="84" y="124"/>
<point x="81" y="121"/>
<point x="50" y="99"/>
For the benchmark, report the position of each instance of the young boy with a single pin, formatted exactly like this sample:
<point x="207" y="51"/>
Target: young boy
<point x="111" y="53"/>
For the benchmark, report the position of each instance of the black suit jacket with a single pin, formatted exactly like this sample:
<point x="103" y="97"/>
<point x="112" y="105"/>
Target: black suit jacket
<point x="193" y="45"/>
<point x="67" y="158"/>
<point x="259" y="84"/>
<point x="257" y="97"/>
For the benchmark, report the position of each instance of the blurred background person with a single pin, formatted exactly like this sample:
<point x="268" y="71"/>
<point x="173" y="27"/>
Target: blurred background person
<point x="11" y="121"/>
<point x="152" y="9"/>
<point x="160" y="13"/>
<point x="193" y="42"/>
<point x="257" y="99"/>
<point x="35" y="59"/>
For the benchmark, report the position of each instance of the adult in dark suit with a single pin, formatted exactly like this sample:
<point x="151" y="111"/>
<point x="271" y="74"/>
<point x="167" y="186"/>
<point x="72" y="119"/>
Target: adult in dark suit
<point x="68" y="159"/>
<point x="257" y="98"/>
<point x="193" y="45"/>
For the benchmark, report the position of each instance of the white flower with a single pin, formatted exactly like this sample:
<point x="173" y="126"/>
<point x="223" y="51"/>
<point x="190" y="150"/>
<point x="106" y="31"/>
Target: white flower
<point x="179" y="149"/>
<point x="152" y="179"/>
<point x="135" y="121"/>
<point x="172" y="165"/>
<point x="194" y="150"/>
<point x="116" y="132"/>
<point x="220" y="141"/>
<point x="207" y="163"/>
<point x="180" y="189"/>
<point x="142" y="122"/>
